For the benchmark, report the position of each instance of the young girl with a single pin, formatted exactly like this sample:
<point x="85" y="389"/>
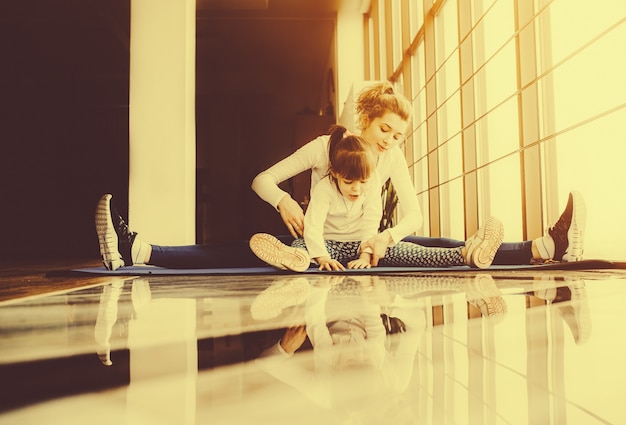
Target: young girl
<point x="344" y="210"/>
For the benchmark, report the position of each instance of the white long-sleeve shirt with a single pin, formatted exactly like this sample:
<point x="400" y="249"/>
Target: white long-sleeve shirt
<point x="330" y="216"/>
<point x="314" y="156"/>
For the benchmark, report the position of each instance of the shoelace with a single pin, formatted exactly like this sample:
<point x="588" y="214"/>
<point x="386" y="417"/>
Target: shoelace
<point x="121" y="227"/>
<point x="559" y="230"/>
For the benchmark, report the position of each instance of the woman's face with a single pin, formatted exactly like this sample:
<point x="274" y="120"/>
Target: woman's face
<point x="385" y="132"/>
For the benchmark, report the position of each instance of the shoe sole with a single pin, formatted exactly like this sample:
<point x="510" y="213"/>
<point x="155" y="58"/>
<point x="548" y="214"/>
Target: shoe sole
<point x="483" y="293"/>
<point x="576" y="232"/>
<point x="107" y="238"/>
<point x="277" y="254"/>
<point x="270" y="303"/>
<point x="491" y="235"/>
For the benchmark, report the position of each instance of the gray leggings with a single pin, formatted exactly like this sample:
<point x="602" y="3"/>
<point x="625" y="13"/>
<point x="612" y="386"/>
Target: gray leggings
<point x="403" y="254"/>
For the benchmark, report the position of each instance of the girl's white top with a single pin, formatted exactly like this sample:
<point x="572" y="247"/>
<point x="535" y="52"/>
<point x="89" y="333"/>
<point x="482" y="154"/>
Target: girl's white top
<point x="314" y="156"/>
<point x="330" y="216"/>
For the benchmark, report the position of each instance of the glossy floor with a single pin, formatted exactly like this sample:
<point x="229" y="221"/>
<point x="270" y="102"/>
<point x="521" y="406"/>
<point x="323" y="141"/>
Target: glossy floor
<point x="458" y="348"/>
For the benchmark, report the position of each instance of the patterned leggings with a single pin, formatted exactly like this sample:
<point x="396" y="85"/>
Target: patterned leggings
<point x="403" y="254"/>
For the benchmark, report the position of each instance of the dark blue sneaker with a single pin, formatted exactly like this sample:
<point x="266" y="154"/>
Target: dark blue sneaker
<point x="569" y="231"/>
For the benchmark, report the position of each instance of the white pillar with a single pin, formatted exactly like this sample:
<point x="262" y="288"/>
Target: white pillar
<point x="350" y="57"/>
<point x="162" y="152"/>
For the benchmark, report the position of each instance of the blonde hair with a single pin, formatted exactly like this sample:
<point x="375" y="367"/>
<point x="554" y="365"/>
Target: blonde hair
<point x="378" y="99"/>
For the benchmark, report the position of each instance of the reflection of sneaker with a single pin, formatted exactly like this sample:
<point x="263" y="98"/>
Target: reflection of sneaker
<point x="483" y="294"/>
<point x="281" y="294"/>
<point x="569" y="231"/>
<point x="114" y="236"/>
<point x="575" y="311"/>
<point x="277" y="254"/>
<point x="480" y="249"/>
<point x="106" y="318"/>
<point x="140" y="294"/>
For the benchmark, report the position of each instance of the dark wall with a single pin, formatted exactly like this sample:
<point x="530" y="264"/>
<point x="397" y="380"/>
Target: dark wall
<point x="64" y="80"/>
<point x="63" y="123"/>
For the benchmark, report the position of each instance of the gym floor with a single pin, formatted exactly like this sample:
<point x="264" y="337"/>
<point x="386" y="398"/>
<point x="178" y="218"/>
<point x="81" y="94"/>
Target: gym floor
<point x="517" y="347"/>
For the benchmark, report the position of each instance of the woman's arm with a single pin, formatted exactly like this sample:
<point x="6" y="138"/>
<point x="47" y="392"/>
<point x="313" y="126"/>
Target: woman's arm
<point x="312" y="156"/>
<point x="411" y="215"/>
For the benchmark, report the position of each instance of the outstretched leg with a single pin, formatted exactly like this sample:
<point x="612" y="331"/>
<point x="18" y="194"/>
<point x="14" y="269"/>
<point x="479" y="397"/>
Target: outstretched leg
<point x="565" y="240"/>
<point x="119" y="247"/>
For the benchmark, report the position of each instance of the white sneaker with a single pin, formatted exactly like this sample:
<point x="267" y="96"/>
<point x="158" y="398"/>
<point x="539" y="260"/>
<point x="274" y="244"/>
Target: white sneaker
<point x="480" y="249"/>
<point x="483" y="294"/>
<point x="281" y="294"/>
<point x="277" y="254"/>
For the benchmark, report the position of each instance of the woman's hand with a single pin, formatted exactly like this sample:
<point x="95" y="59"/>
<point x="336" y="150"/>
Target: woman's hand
<point x="363" y="262"/>
<point x="327" y="263"/>
<point x="293" y="339"/>
<point x="292" y="215"/>
<point x="378" y="244"/>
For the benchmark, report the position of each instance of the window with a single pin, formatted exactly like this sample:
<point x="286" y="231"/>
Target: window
<point x="515" y="104"/>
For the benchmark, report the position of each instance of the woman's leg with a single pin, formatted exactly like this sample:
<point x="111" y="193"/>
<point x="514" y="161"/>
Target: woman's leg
<point x="564" y="241"/>
<point x="224" y="255"/>
<point x="119" y="247"/>
<point x="236" y="254"/>
<point x="426" y="241"/>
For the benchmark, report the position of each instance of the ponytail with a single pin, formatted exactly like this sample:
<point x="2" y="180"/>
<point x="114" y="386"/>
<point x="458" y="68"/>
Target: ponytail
<point x="349" y="156"/>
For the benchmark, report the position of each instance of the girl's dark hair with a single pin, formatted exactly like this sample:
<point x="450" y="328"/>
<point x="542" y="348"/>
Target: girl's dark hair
<point x="349" y="156"/>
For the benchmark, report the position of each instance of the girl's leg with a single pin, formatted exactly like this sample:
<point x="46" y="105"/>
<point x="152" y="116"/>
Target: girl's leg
<point x="409" y="254"/>
<point x="275" y="252"/>
<point x="340" y="251"/>
<point x="508" y="253"/>
<point x="562" y="242"/>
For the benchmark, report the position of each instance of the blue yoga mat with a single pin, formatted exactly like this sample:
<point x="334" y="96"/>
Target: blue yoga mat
<point x="161" y="271"/>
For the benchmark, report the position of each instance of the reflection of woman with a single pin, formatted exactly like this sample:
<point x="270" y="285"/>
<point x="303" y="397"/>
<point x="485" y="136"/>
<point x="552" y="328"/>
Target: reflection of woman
<point x="343" y="323"/>
<point x="383" y="117"/>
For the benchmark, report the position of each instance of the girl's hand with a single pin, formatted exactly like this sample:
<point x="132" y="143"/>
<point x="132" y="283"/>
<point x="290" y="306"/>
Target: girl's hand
<point x="327" y="263"/>
<point x="378" y="244"/>
<point x="292" y="215"/>
<point x="360" y="263"/>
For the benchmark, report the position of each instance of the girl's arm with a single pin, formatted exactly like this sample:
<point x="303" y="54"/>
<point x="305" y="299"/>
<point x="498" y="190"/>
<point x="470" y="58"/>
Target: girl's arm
<point x="322" y="197"/>
<point x="314" y="220"/>
<point x="372" y="212"/>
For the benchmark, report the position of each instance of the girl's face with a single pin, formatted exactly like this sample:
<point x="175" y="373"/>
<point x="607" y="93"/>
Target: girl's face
<point x="351" y="189"/>
<point x="385" y="132"/>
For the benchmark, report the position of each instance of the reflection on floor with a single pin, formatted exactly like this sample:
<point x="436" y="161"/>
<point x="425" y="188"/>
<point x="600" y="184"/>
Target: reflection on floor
<point x="458" y="348"/>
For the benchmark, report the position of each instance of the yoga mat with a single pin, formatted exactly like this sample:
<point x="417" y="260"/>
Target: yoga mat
<point x="160" y="271"/>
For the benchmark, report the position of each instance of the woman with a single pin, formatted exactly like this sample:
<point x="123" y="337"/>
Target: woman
<point x="383" y="117"/>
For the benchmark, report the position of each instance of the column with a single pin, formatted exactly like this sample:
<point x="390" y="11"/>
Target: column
<point x="162" y="158"/>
